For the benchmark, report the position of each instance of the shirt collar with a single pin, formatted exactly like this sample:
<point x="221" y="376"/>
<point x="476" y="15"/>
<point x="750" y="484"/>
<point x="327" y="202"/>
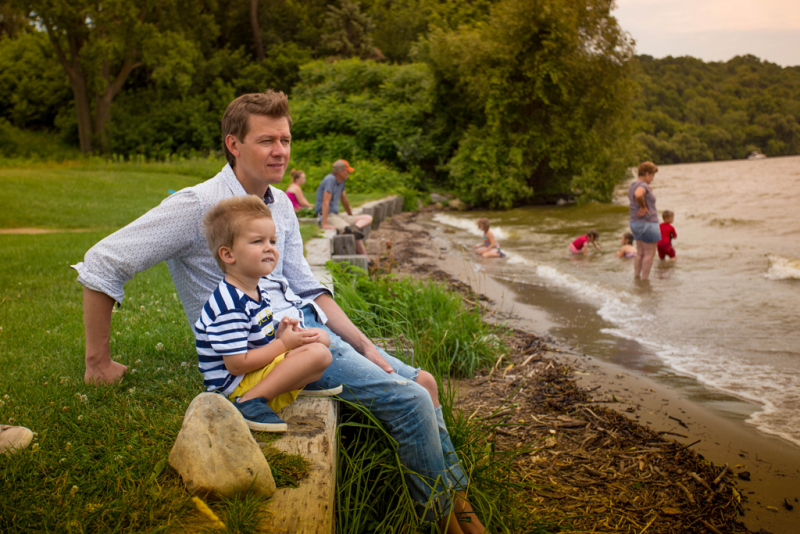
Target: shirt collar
<point x="229" y="177"/>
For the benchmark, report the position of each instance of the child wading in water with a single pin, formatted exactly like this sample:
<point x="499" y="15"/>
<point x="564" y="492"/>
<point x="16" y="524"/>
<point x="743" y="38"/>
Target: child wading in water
<point x="489" y="248"/>
<point x="244" y="354"/>
<point x="627" y="250"/>
<point x="579" y="245"/>
<point x="668" y="233"/>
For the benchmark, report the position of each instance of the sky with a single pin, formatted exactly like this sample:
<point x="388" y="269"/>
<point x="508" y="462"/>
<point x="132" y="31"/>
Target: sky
<point x="714" y="30"/>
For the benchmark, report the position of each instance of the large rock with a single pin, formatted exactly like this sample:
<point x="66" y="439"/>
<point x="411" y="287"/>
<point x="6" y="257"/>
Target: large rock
<point x="216" y="455"/>
<point x="459" y="205"/>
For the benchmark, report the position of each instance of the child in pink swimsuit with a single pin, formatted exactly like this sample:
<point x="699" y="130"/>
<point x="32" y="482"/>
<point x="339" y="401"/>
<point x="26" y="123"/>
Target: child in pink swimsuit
<point x="579" y="245"/>
<point x="295" y="191"/>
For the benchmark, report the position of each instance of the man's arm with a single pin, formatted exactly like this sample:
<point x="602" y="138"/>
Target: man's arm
<point x="326" y="208"/>
<point x="154" y="237"/>
<point x="341" y="325"/>
<point x="100" y="368"/>
<point x="346" y="204"/>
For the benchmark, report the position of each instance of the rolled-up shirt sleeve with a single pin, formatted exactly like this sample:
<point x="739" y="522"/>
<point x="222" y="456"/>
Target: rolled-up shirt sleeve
<point x="167" y="231"/>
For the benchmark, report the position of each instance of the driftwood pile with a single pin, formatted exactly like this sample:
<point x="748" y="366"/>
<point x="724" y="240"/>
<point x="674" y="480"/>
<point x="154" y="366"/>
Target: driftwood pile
<point x="593" y="469"/>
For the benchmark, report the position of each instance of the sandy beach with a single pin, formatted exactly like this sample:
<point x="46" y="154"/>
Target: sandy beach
<point x="679" y="415"/>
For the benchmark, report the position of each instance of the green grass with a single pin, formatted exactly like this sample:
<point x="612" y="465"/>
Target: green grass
<point x="371" y="491"/>
<point x="99" y="460"/>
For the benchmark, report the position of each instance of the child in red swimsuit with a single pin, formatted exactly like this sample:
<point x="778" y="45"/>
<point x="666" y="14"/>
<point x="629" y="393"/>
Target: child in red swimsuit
<point x="668" y="233"/>
<point x="580" y="245"/>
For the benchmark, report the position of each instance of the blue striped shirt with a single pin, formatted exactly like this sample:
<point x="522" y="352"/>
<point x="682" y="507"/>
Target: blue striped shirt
<point x="231" y="323"/>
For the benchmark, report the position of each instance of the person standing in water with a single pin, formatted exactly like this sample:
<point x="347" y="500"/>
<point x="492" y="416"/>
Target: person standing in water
<point x="668" y="233"/>
<point x="644" y="219"/>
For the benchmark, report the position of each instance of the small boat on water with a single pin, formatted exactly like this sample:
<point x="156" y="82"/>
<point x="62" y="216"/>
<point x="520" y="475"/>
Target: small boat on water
<point x="755" y="154"/>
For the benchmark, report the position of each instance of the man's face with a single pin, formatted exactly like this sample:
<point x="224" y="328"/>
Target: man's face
<point x="342" y="175"/>
<point x="262" y="156"/>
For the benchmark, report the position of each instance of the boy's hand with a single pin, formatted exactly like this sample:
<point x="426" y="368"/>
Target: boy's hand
<point x="285" y="323"/>
<point x="295" y="337"/>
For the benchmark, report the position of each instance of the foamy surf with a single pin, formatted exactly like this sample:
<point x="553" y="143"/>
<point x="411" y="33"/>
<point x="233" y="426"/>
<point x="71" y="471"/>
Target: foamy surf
<point x="781" y="268"/>
<point x="469" y="225"/>
<point x="777" y="392"/>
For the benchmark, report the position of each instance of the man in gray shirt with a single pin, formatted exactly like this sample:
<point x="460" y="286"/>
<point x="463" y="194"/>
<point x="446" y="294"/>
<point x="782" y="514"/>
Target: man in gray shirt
<point x="257" y="142"/>
<point x="329" y="192"/>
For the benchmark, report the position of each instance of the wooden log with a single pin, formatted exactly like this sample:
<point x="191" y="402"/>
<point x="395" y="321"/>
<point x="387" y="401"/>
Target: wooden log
<point x="309" y="508"/>
<point x="343" y="245"/>
<point x="388" y="207"/>
<point x="366" y="231"/>
<point x="399" y="204"/>
<point x="377" y="216"/>
<point x="353" y="259"/>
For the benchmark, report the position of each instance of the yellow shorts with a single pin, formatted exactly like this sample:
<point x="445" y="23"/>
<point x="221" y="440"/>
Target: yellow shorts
<point x="254" y="377"/>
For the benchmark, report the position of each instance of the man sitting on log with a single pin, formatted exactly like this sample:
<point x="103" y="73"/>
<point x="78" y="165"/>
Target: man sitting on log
<point x="329" y="193"/>
<point x="256" y="133"/>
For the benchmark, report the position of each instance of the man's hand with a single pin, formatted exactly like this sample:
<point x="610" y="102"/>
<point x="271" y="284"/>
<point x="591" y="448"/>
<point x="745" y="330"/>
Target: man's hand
<point x="372" y="354"/>
<point x="104" y="372"/>
<point x="328" y="227"/>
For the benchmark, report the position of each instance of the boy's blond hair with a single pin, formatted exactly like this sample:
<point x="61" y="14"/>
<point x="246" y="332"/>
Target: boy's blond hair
<point x="224" y="222"/>
<point x="666" y="214"/>
<point x="483" y="224"/>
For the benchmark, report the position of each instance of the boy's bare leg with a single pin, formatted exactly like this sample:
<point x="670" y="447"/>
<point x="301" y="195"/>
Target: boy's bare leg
<point x="449" y="525"/>
<point x="299" y="367"/>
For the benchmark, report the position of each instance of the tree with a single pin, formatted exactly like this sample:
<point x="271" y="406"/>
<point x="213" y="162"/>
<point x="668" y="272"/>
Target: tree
<point x="349" y="31"/>
<point x="99" y="45"/>
<point x="543" y="93"/>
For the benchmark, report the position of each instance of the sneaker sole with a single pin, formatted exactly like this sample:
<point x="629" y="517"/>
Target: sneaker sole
<point x="267" y="427"/>
<point x="321" y="393"/>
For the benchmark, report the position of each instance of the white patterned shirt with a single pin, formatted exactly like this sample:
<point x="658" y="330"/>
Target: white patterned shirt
<point x="173" y="232"/>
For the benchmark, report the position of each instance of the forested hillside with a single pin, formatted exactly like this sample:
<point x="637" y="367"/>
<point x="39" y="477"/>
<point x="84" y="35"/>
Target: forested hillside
<point x="688" y="110"/>
<point x="488" y="98"/>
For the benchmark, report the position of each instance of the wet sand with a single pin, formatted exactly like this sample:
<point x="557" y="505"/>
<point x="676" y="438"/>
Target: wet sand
<point x="773" y="464"/>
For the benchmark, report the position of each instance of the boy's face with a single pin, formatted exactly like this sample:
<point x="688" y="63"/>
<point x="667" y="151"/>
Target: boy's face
<point x="254" y="253"/>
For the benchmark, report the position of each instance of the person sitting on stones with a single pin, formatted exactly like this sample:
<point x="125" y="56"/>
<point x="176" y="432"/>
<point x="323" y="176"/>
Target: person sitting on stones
<point x="260" y="364"/>
<point x="329" y="192"/>
<point x="256" y="134"/>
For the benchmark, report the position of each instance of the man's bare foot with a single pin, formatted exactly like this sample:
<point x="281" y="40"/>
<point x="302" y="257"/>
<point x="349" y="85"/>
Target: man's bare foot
<point x="467" y="520"/>
<point x="104" y="373"/>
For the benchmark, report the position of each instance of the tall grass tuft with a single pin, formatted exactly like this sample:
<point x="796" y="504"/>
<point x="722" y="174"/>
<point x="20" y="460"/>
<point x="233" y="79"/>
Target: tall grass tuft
<point x="449" y="340"/>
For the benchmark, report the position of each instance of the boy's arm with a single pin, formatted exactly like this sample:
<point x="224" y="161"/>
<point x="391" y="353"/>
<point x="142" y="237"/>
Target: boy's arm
<point x="674" y="234"/>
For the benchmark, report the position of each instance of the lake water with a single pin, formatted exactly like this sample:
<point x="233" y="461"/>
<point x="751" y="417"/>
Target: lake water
<point x="722" y="321"/>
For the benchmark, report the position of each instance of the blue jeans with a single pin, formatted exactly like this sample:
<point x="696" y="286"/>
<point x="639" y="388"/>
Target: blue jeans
<point x="405" y="407"/>
<point x="648" y="232"/>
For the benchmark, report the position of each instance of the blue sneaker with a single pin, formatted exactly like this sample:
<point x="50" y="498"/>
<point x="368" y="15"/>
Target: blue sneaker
<point x="315" y="390"/>
<point x="259" y="416"/>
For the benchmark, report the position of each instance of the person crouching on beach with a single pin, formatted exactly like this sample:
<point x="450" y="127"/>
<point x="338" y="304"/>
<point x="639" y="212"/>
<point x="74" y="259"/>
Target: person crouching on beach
<point x="259" y="364"/>
<point x="668" y="233"/>
<point x="627" y="250"/>
<point x="579" y="245"/>
<point x="489" y="248"/>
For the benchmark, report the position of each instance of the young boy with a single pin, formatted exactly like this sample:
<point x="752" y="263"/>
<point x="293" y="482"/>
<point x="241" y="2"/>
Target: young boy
<point x="260" y="365"/>
<point x="667" y="235"/>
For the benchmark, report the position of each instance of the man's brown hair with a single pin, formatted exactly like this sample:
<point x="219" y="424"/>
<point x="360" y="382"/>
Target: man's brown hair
<point x="647" y="167"/>
<point x="224" y="222"/>
<point x="236" y="120"/>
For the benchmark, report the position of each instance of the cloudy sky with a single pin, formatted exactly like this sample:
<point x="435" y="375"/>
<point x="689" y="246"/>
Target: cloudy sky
<point x="714" y="30"/>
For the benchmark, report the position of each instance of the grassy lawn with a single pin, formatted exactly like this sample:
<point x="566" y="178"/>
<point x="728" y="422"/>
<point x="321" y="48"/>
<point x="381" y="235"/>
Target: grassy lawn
<point x="99" y="460"/>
